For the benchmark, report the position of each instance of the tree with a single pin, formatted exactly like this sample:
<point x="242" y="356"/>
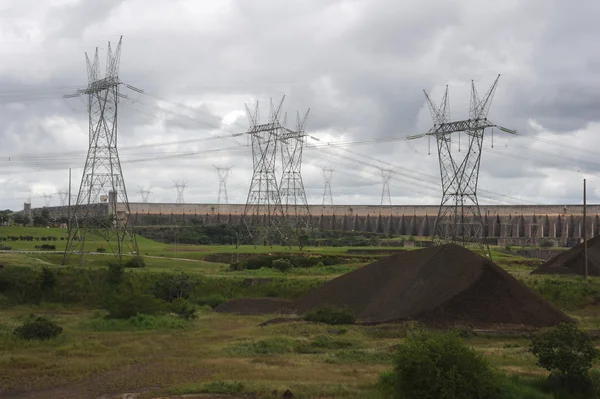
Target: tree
<point x="39" y="221"/>
<point x="21" y="218"/>
<point x="567" y="352"/>
<point x="440" y="366"/>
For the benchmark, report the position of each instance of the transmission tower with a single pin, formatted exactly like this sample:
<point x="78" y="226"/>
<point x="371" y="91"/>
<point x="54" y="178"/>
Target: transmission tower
<point x="459" y="217"/>
<point x="264" y="199"/>
<point x="293" y="195"/>
<point x="386" y="176"/>
<point x="223" y="173"/>
<point x="144" y="193"/>
<point x="47" y="199"/>
<point x="63" y="194"/>
<point x="180" y="186"/>
<point x="327" y="172"/>
<point x="102" y="179"/>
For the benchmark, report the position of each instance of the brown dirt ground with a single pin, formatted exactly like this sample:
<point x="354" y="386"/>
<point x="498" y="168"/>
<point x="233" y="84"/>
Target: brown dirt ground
<point x="572" y="261"/>
<point x="439" y="286"/>
<point x="133" y="379"/>
<point x="256" y="306"/>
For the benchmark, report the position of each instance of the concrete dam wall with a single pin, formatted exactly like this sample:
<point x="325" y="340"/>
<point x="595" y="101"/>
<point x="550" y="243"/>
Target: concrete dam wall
<point x="509" y="224"/>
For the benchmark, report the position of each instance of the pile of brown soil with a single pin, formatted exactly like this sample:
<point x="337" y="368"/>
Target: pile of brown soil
<point x="256" y="306"/>
<point x="439" y="286"/>
<point x="572" y="262"/>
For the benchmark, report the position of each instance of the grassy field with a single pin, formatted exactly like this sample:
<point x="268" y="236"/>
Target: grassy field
<point x="219" y="353"/>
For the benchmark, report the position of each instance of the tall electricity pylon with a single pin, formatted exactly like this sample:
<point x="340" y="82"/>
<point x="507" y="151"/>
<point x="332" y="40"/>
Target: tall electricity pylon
<point x="459" y="217"/>
<point x="327" y="172"/>
<point x="180" y="186"/>
<point x="223" y="173"/>
<point x="144" y="193"/>
<point x="291" y="188"/>
<point x="47" y="199"/>
<point x="386" y="176"/>
<point x="263" y="214"/>
<point x="63" y="194"/>
<point x="102" y="178"/>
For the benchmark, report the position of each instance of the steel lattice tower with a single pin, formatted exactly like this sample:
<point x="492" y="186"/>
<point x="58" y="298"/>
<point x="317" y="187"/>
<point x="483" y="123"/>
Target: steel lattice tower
<point x="47" y="199"/>
<point x="386" y="176"/>
<point x="144" y="193"/>
<point x="223" y="173"/>
<point x="102" y="178"/>
<point x="263" y="214"/>
<point x="327" y="172"/>
<point x="291" y="188"/>
<point x="63" y="194"/>
<point x="459" y="217"/>
<point x="180" y="186"/>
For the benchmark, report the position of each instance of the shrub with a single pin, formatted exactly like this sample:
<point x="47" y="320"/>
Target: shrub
<point x="135" y="262"/>
<point x="173" y="286"/>
<point x="331" y="315"/>
<point x="124" y="306"/>
<point x="115" y="273"/>
<point x="441" y="366"/>
<point x="183" y="309"/>
<point x="38" y="328"/>
<point x="223" y="387"/>
<point x="281" y="264"/>
<point x="568" y="353"/>
<point x="213" y="300"/>
<point x="236" y="266"/>
<point x="48" y="279"/>
<point x="100" y="250"/>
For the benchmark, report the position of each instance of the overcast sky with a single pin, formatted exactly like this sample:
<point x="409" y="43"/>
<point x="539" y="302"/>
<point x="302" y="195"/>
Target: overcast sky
<point x="360" y="66"/>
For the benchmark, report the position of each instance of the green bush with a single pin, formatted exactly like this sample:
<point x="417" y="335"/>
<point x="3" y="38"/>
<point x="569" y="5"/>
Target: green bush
<point x="236" y="266"/>
<point x="440" y="366"/>
<point x="330" y="315"/>
<point x="124" y="306"/>
<point x="48" y="279"/>
<point x="38" y="328"/>
<point x="223" y="387"/>
<point x="213" y="300"/>
<point x="568" y="353"/>
<point x="100" y="250"/>
<point x="135" y="262"/>
<point x="281" y="264"/>
<point x="183" y="309"/>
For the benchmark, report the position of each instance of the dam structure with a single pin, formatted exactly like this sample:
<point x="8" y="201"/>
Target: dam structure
<point x="503" y="224"/>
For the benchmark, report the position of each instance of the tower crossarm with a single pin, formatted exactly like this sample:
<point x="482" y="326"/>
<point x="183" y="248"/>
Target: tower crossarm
<point x="468" y="125"/>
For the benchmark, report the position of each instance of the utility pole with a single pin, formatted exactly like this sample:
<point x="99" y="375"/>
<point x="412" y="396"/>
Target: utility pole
<point x="585" y="252"/>
<point x="69" y="210"/>
<point x="327" y="172"/>
<point x="102" y="179"/>
<point x="386" y="176"/>
<point x="47" y="199"/>
<point x="291" y="187"/>
<point x="180" y="186"/>
<point x="459" y="218"/>
<point x="263" y="214"/>
<point x="144" y="193"/>
<point x="223" y="173"/>
<point x="62" y="194"/>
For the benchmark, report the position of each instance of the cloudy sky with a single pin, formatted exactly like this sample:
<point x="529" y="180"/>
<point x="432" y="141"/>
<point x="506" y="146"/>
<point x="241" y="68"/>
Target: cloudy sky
<point x="360" y="66"/>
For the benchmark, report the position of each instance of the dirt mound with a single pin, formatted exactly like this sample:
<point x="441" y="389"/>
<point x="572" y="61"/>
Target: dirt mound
<point x="572" y="262"/>
<point x="441" y="286"/>
<point x="256" y="306"/>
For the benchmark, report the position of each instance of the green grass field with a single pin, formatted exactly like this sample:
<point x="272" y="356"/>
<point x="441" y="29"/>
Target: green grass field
<point x="222" y="353"/>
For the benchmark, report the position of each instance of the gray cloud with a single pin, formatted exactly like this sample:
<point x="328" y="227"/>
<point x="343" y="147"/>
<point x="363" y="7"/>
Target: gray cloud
<point x="360" y="66"/>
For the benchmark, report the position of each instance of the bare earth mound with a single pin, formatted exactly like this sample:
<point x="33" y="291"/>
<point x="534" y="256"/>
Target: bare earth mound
<point x="439" y="286"/>
<point x="572" y="262"/>
<point x="256" y="306"/>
